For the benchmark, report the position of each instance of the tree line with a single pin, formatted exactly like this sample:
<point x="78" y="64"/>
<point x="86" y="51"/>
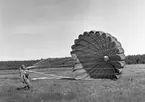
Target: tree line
<point x="16" y="64"/>
<point x="135" y="59"/>
<point x="63" y="62"/>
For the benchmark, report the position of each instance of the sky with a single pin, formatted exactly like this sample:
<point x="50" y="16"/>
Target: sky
<point x="34" y="29"/>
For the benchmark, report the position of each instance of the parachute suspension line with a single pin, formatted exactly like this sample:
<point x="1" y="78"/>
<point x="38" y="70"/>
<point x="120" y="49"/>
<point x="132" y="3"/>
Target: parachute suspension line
<point x="40" y="73"/>
<point x="39" y="62"/>
<point x="50" y="76"/>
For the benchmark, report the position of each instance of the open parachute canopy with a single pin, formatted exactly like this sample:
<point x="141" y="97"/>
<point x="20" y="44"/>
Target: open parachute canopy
<point x="95" y="54"/>
<point x="98" y="55"/>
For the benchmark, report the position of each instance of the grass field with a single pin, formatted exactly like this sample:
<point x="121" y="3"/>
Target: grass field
<point x="129" y="88"/>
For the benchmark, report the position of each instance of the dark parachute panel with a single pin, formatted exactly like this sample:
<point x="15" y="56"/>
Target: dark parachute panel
<point x="98" y="55"/>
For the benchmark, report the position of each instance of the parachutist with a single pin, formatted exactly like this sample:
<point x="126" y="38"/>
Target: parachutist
<point x="24" y="77"/>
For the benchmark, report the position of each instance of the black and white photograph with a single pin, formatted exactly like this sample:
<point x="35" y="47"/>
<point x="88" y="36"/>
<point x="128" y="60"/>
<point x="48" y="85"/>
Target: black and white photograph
<point x="72" y="51"/>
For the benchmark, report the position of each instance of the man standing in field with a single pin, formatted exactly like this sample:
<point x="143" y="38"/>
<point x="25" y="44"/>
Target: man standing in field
<point x="24" y="76"/>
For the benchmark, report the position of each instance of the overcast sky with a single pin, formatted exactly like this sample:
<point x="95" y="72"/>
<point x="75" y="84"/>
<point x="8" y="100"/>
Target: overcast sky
<point x="34" y="29"/>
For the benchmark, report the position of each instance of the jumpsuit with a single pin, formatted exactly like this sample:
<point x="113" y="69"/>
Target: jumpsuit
<point x="24" y="78"/>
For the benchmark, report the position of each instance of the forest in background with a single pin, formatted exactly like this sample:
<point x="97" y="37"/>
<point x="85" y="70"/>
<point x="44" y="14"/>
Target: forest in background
<point x="62" y="62"/>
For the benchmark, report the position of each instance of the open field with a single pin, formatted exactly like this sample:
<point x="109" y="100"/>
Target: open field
<point x="129" y="88"/>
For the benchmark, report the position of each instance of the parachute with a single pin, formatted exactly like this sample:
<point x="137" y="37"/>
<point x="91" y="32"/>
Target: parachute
<point x="98" y="55"/>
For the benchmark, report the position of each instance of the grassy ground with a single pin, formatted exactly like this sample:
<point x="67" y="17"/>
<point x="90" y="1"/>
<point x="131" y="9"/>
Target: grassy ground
<point x="129" y="88"/>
